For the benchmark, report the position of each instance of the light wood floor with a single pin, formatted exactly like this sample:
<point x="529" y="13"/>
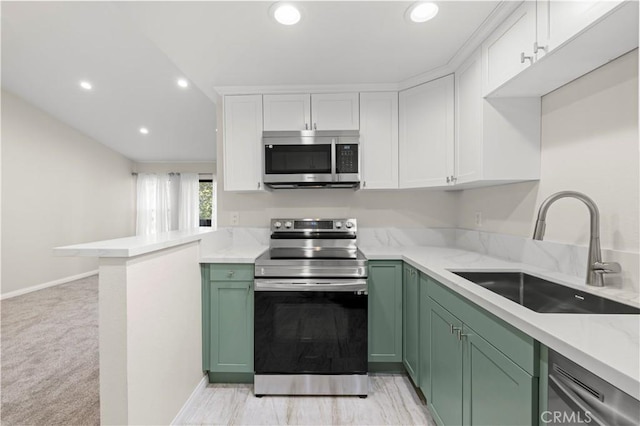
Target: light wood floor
<point x="391" y="401"/>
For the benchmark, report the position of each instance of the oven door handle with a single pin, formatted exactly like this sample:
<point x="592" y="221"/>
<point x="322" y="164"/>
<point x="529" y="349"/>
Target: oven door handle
<point x="311" y="285"/>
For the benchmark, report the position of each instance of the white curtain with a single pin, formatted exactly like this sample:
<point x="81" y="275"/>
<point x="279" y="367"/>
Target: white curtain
<point x="189" y="201"/>
<point x="167" y="202"/>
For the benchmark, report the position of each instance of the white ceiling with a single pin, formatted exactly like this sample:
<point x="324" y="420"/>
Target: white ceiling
<point x="133" y="52"/>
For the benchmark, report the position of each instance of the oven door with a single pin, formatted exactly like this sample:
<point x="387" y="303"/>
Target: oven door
<point x="310" y="326"/>
<point x="299" y="159"/>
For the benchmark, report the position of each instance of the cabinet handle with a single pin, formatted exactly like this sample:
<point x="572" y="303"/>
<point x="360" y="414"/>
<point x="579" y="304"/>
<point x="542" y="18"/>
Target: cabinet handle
<point x="453" y="329"/>
<point x="306" y="126"/>
<point x="460" y="334"/>
<point x="523" y="58"/>
<point x="315" y="126"/>
<point x="453" y="179"/>
<point x="258" y="185"/>
<point x="364" y="184"/>
<point x="448" y="179"/>
<point x="537" y="47"/>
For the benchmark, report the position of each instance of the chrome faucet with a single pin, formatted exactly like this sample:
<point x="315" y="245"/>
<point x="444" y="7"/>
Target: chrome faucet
<point x="596" y="268"/>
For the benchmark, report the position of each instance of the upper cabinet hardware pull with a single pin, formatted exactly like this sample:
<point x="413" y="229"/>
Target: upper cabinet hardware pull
<point x="523" y="58"/>
<point x="537" y="47"/>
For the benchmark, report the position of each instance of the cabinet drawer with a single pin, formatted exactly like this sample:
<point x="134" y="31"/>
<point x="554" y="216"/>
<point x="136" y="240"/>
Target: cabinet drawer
<point x="232" y="272"/>
<point x="517" y="346"/>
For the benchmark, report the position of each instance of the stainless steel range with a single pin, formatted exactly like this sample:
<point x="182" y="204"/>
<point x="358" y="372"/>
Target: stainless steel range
<point x="311" y="310"/>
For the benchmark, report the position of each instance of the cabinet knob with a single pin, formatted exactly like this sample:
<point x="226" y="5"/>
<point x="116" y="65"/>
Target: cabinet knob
<point x="258" y="185"/>
<point x="231" y="273"/>
<point x="315" y="126"/>
<point x="306" y="126"/>
<point x="448" y="179"/>
<point x="524" y="58"/>
<point x="364" y="184"/>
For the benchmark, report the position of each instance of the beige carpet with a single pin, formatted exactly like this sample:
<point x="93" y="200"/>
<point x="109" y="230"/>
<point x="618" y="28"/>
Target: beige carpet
<point x="50" y="356"/>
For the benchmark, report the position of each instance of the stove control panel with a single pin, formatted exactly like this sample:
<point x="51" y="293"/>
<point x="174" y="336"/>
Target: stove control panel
<point x="313" y="225"/>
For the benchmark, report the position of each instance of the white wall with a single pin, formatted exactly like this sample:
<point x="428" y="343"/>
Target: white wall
<point x="589" y="144"/>
<point x="59" y="187"/>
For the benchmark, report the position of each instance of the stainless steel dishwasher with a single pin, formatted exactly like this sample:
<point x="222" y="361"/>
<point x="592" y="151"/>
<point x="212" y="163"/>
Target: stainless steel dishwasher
<point x="579" y="397"/>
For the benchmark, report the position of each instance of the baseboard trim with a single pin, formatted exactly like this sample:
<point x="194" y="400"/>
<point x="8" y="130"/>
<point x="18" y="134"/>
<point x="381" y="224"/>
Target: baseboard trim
<point x="201" y="385"/>
<point x="47" y="285"/>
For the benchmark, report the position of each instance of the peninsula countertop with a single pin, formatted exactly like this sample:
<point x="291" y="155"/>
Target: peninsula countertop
<point x="133" y="246"/>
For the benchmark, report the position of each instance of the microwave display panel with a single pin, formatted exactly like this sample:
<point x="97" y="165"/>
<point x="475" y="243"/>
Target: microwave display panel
<point x="297" y="159"/>
<point x="347" y="158"/>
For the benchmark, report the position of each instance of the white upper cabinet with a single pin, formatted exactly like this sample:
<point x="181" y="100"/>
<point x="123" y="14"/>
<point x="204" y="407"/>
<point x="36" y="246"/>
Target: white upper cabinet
<point x="582" y="35"/>
<point x="509" y="49"/>
<point x="379" y="140"/>
<point x="426" y="145"/>
<point x="469" y="100"/>
<point x="287" y="112"/>
<point x="497" y="140"/>
<point x="242" y="151"/>
<point x="339" y="111"/>
<point x="326" y="111"/>
<point x="558" y="21"/>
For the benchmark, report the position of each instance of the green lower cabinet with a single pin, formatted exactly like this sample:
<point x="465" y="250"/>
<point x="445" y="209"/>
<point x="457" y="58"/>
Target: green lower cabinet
<point x="445" y="400"/>
<point x="497" y="391"/>
<point x="411" y="322"/>
<point x="232" y="327"/>
<point x="425" y="338"/>
<point x="385" y="311"/>
<point x="470" y="381"/>
<point x="227" y="310"/>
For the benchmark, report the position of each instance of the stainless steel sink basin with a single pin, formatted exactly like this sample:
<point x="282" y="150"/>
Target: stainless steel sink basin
<point x="545" y="296"/>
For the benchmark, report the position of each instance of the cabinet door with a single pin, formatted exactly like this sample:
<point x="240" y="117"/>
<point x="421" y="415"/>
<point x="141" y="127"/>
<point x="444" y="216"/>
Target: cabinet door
<point x="411" y="322"/>
<point x="231" y="310"/>
<point x="379" y="140"/>
<point x="446" y="367"/>
<point x="509" y="49"/>
<point x="287" y="112"/>
<point x="496" y="391"/>
<point x="426" y="134"/>
<point x="469" y="119"/>
<point x="425" y="338"/>
<point x="242" y="143"/>
<point x="559" y="20"/>
<point x="335" y="111"/>
<point x="385" y="311"/>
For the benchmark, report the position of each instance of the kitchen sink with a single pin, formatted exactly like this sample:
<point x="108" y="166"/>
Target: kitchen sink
<point x="545" y="296"/>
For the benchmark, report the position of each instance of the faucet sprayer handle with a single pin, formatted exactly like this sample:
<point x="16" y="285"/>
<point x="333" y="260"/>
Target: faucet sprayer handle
<point x="607" y="267"/>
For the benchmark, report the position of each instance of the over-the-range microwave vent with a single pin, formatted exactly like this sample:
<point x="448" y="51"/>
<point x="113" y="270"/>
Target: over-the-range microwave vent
<point x="313" y="185"/>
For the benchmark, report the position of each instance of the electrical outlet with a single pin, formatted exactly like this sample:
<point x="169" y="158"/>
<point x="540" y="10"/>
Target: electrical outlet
<point x="235" y="218"/>
<point x="478" y="219"/>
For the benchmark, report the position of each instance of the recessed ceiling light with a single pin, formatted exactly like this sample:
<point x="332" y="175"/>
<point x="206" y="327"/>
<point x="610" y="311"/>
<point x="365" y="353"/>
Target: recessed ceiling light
<point x="86" y="85"/>
<point x="422" y="11"/>
<point x="182" y="82"/>
<point x="144" y="130"/>
<point x="285" y="13"/>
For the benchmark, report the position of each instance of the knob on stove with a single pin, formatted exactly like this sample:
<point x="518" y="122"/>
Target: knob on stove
<point x="349" y="225"/>
<point x="277" y="225"/>
<point x="338" y="225"/>
<point x="288" y="225"/>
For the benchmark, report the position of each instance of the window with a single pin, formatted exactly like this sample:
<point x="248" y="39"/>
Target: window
<point x="207" y="202"/>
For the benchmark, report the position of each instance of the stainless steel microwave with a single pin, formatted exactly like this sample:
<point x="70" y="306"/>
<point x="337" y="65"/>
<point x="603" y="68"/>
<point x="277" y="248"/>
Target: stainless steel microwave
<point x="311" y="159"/>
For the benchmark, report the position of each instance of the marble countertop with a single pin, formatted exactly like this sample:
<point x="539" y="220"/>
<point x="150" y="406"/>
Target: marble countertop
<point x="234" y="254"/>
<point x="133" y="246"/>
<point x="607" y="345"/>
